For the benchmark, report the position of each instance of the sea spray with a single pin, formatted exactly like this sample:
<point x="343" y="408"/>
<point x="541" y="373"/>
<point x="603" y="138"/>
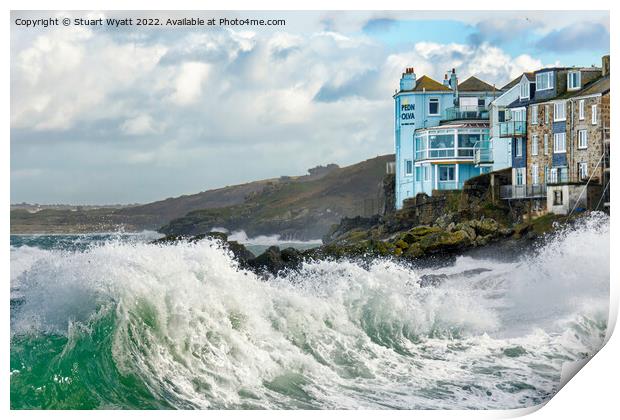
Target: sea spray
<point x="133" y="325"/>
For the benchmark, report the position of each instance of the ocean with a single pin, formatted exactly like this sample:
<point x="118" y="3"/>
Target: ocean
<point x="111" y="321"/>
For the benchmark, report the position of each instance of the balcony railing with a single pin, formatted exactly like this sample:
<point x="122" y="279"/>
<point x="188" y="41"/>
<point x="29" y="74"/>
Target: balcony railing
<point x="512" y="192"/>
<point x="449" y="185"/>
<point x="560" y="178"/>
<point x="467" y="113"/>
<point x="483" y="152"/>
<point x="512" y="129"/>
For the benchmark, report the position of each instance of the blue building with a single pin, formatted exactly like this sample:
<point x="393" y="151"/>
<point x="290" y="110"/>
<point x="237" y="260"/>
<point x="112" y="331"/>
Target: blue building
<point x="437" y="128"/>
<point x="499" y="151"/>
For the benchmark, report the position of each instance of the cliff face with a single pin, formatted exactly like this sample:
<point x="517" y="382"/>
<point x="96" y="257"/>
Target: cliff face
<point x="303" y="208"/>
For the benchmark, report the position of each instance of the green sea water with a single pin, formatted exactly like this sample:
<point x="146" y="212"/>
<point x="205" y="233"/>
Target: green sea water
<point x="114" y="322"/>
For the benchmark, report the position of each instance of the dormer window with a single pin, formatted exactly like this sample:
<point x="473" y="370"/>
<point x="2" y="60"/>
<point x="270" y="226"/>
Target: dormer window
<point x="544" y="81"/>
<point x="574" y="80"/>
<point x="525" y="90"/>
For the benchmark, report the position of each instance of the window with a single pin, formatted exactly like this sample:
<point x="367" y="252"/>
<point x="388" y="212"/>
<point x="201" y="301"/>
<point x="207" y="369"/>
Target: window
<point x="534" y="174"/>
<point x="481" y="102"/>
<point x="583" y="170"/>
<point x="427" y="173"/>
<point x="525" y="90"/>
<point x="408" y="167"/>
<point x="582" y="109"/>
<point x="559" y="111"/>
<point x="574" y="80"/>
<point x="518" y="114"/>
<point x="534" y="114"/>
<point x="433" y="106"/>
<point x="559" y="143"/>
<point x="418" y="173"/>
<point x="546" y="114"/>
<point x="583" y="139"/>
<point x="520" y="176"/>
<point x="546" y="144"/>
<point x="519" y="145"/>
<point x="446" y="173"/>
<point x="546" y="174"/>
<point x="534" y="145"/>
<point x="594" y="115"/>
<point x="544" y="81"/>
<point x="553" y="176"/>
<point x="557" y="197"/>
<point x="502" y="115"/>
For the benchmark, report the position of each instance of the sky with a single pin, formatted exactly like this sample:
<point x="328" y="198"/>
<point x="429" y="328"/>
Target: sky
<point x="132" y="115"/>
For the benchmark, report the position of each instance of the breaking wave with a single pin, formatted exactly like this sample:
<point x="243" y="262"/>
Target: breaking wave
<point x="134" y="325"/>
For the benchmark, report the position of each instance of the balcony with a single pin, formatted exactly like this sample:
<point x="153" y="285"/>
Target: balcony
<point x="513" y="129"/>
<point x="483" y="152"/>
<point x="516" y="192"/>
<point x="467" y="113"/>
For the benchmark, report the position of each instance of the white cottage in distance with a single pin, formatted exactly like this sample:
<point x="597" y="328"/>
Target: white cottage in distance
<point x="438" y="127"/>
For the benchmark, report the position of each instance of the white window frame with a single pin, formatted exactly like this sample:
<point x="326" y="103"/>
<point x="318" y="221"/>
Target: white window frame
<point x="582" y="109"/>
<point x="546" y="114"/>
<point x="594" y="115"/>
<point x="583" y="170"/>
<point x="520" y="176"/>
<point x="559" y="116"/>
<point x="519" y="147"/>
<point x="571" y="86"/>
<point x="534" y="170"/>
<point x="548" y="81"/>
<point x="534" y="144"/>
<point x="546" y="144"/>
<point x="559" y="143"/>
<point x="429" y="107"/>
<point x="553" y="176"/>
<point x="582" y="137"/>
<point x="525" y="88"/>
<point x="410" y="162"/>
<point x="534" y="114"/>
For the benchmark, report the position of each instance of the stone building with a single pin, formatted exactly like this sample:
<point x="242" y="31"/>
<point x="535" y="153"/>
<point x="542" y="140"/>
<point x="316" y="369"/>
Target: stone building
<point x="583" y="180"/>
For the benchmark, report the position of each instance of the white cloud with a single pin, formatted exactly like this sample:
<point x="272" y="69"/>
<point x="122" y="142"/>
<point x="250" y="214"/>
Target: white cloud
<point x="140" y="125"/>
<point x="188" y="83"/>
<point x="67" y="76"/>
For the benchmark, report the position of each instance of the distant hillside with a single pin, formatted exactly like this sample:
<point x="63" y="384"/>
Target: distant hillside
<point x="301" y="205"/>
<point x="300" y="209"/>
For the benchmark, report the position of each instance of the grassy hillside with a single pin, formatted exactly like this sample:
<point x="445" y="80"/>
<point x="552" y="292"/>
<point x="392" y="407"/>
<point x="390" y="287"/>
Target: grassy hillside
<point x="300" y="209"/>
<point x="295" y="206"/>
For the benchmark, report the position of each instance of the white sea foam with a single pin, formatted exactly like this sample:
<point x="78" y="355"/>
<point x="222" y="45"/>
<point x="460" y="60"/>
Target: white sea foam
<point x="268" y="240"/>
<point x="202" y="333"/>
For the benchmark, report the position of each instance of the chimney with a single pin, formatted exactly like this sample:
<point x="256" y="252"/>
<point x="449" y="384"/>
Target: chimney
<point x="408" y="80"/>
<point x="453" y="80"/>
<point x="605" y="65"/>
<point x="446" y="81"/>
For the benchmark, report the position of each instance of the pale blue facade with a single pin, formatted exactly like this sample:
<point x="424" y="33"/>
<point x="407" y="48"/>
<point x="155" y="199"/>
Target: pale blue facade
<point x="436" y="131"/>
<point x="496" y="154"/>
<point x="411" y="111"/>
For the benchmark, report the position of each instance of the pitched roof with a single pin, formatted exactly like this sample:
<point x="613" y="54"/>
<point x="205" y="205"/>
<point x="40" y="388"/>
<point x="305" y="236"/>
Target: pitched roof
<point x="426" y="83"/>
<point x="598" y="86"/>
<point x="529" y="75"/>
<point x="473" y="84"/>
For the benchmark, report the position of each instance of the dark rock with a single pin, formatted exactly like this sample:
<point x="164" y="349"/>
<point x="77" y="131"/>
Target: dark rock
<point x="241" y="253"/>
<point x="269" y="261"/>
<point x="170" y="239"/>
<point x="432" y="280"/>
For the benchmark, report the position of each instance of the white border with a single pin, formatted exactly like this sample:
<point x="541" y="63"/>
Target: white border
<point x="592" y="394"/>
